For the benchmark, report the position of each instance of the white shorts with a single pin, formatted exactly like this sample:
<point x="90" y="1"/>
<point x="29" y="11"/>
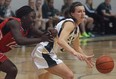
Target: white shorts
<point x="44" y="59"/>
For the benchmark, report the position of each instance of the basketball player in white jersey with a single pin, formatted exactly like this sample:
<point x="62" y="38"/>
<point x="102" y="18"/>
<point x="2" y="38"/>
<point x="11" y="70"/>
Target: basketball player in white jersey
<point x="44" y="55"/>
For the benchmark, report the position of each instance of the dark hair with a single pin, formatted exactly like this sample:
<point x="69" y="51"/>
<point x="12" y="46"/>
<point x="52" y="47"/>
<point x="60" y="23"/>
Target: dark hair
<point x="71" y="9"/>
<point x="73" y="5"/>
<point x="23" y="11"/>
<point x="66" y="13"/>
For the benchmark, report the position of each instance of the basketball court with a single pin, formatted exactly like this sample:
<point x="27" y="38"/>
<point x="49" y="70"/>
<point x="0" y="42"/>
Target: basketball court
<point x="105" y="45"/>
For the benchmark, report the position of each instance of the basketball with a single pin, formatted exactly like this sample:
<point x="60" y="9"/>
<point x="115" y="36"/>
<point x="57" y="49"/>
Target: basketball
<point x="104" y="64"/>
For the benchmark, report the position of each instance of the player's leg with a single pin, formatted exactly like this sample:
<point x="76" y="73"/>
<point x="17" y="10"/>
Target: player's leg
<point x="61" y="70"/>
<point x="45" y="75"/>
<point x="8" y="67"/>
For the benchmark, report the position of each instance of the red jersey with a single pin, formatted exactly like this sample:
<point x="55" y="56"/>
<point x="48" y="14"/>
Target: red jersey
<point x="6" y="40"/>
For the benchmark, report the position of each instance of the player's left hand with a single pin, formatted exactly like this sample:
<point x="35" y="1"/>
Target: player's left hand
<point x="89" y="61"/>
<point x="53" y="32"/>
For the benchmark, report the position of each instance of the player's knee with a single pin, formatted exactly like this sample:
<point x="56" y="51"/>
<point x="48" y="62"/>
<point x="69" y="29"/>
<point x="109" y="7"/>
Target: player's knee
<point x="70" y="76"/>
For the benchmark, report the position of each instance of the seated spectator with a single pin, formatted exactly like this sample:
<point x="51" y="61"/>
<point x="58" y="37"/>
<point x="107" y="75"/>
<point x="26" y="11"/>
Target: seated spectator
<point x="31" y="3"/>
<point x="2" y="12"/>
<point x="86" y="28"/>
<point x="9" y="12"/>
<point x="90" y="11"/>
<point x="39" y="19"/>
<point x="49" y="13"/>
<point x="89" y="26"/>
<point x="83" y="33"/>
<point x="104" y="10"/>
<point x="67" y="3"/>
<point x="36" y="6"/>
<point x="5" y="10"/>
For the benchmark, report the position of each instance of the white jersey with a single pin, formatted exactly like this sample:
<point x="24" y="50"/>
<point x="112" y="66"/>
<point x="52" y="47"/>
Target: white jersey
<point x="73" y="35"/>
<point x="44" y="55"/>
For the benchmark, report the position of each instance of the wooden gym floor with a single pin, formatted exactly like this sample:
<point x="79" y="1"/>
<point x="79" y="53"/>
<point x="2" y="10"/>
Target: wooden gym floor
<point x="105" y="45"/>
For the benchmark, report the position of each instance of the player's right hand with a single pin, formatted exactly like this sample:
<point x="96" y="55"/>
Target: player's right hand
<point x="47" y="37"/>
<point x="87" y="59"/>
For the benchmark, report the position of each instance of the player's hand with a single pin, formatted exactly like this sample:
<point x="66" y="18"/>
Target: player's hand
<point x="47" y="37"/>
<point x="53" y="32"/>
<point x="89" y="61"/>
<point x="80" y="56"/>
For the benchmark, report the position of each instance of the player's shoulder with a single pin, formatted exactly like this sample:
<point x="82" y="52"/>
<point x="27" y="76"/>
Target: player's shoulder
<point x="69" y="21"/>
<point x="13" y="21"/>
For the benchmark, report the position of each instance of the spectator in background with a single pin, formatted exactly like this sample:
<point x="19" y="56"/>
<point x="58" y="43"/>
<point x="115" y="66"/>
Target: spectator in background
<point x="105" y="11"/>
<point x="90" y="11"/>
<point x="8" y="12"/>
<point x="31" y="3"/>
<point x="5" y="9"/>
<point x="89" y="25"/>
<point x="49" y="13"/>
<point x="2" y="12"/>
<point x="67" y="3"/>
<point x="83" y="32"/>
<point x="36" y="6"/>
<point x="86" y="27"/>
<point x="40" y="23"/>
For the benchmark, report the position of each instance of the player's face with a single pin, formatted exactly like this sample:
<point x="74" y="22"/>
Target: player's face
<point x="79" y="13"/>
<point x="30" y="18"/>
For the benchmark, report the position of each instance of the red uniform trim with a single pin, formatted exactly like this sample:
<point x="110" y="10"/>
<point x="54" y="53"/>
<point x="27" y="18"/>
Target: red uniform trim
<point x="6" y="20"/>
<point x="2" y="57"/>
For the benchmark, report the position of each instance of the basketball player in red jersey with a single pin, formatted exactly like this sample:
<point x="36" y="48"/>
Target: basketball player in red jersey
<point x="13" y="32"/>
